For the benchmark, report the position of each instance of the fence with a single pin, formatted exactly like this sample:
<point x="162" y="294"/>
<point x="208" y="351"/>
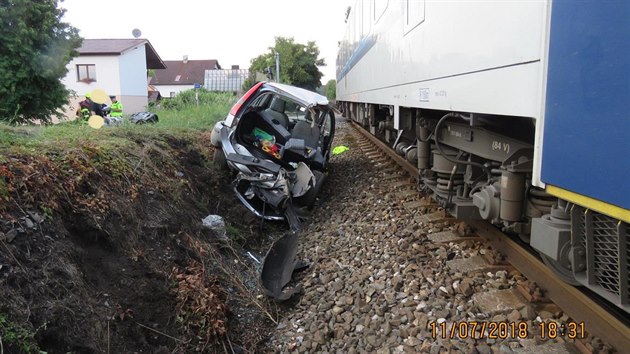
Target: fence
<point x="226" y="80"/>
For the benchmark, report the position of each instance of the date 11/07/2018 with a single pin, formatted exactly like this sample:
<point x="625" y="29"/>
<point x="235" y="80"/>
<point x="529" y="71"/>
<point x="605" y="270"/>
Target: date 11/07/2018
<point x="506" y="330"/>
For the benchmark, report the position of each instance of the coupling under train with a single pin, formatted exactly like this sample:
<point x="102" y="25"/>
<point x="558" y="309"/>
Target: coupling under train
<point x="515" y="112"/>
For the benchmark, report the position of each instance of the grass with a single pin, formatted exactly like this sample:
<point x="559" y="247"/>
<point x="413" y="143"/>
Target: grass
<point x="179" y="115"/>
<point x="20" y="338"/>
<point x="234" y="233"/>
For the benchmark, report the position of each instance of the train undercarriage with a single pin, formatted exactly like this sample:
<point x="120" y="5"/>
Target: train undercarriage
<point x="480" y="167"/>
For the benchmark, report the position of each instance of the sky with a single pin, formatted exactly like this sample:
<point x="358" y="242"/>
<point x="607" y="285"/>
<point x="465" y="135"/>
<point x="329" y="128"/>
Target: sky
<point x="233" y="32"/>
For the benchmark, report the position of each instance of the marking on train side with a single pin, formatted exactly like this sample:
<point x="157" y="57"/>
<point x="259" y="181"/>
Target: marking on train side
<point x="424" y="94"/>
<point x="500" y="146"/>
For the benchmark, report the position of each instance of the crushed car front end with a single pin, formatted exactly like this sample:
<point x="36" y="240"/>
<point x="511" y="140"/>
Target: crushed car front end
<point x="277" y="139"/>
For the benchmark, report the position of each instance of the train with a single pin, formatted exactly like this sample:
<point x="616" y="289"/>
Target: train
<point x="514" y="112"/>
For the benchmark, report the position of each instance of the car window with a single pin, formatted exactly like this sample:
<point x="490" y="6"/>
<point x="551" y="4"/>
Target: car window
<point x="296" y="112"/>
<point x="261" y="101"/>
<point x="291" y="108"/>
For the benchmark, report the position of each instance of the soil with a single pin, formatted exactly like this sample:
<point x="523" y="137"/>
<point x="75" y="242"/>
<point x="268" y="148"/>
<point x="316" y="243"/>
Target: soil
<point x="104" y="252"/>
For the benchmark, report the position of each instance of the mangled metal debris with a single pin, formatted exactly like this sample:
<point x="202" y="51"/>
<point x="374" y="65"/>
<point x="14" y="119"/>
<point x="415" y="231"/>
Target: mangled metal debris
<point x="279" y="265"/>
<point x="277" y="139"/>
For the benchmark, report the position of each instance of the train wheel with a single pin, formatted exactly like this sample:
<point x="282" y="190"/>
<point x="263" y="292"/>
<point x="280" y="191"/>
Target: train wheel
<point x="561" y="271"/>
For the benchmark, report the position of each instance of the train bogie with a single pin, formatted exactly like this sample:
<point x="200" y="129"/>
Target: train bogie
<point x="514" y="112"/>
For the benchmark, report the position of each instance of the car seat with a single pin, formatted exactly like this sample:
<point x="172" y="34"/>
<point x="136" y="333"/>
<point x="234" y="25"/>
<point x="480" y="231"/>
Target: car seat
<point x="308" y="132"/>
<point x="276" y="111"/>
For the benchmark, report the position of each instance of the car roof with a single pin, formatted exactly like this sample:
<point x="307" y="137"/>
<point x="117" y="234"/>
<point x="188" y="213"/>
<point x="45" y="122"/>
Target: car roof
<point x="308" y="98"/>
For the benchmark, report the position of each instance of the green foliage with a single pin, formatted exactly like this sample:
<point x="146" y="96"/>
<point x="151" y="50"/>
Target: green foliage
<point x="35" y="47"/>
<point x="250" y="81"/>
<point x="183" y="116"/>
<point x="330" y="90"/>
<point x="186" y="99"/>
<point x="182" y="111"/>
<point x="234" y="234"/>
<point x="17" y="337"/>
<point x="298" y="63"/>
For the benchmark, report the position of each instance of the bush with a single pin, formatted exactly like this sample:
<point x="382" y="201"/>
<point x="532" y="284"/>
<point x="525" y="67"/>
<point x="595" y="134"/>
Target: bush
<point x="182" y="111"/>
<point x="186" y="99"/>
<point x="35" y="46"/>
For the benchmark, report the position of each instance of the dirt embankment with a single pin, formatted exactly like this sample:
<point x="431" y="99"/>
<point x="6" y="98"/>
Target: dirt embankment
<point x="102" y="250"/>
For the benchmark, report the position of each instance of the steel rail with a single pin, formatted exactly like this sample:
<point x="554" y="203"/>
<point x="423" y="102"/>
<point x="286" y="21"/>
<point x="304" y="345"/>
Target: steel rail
<point x="570" y="299"/>
<point x="409" y="168"/>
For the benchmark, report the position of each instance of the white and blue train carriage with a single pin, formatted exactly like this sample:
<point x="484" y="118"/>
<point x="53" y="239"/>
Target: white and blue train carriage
<point x="516" y="112"/>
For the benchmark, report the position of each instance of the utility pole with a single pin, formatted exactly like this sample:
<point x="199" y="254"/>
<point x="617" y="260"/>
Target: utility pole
<point x="277" y="67"/>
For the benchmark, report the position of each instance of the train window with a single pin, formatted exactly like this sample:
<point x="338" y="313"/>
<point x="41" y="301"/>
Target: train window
<point x="379" y="7"/>
<point x="413" y="14"/>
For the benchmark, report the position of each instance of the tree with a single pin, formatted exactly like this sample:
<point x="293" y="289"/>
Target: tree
<point x="298" y="63"/>
<point x="35" y="47"/>
<point x="330" y="89"/>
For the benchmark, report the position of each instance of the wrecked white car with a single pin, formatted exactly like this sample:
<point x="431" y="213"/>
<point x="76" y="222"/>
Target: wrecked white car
<point x="277" y="138"/>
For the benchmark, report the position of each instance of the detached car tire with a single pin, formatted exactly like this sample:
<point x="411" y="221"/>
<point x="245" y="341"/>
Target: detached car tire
<point x="219" y="160"/>
<point x="144" y="117"/>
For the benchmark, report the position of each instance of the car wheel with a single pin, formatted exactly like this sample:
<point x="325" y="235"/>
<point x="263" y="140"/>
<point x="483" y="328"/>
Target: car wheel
<point x="219" y="159"/>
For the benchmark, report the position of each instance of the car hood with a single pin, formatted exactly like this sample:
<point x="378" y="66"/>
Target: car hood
<point x="305" y="97"/>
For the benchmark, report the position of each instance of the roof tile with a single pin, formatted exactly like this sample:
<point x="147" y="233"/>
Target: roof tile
<point x="189" y="72"/>
<point x="118" y="46"/>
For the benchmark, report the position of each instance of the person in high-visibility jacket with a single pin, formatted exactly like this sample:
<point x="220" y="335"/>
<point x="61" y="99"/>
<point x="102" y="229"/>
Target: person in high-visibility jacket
<point x="83" y="112"/>
<point x="117" y="107"/>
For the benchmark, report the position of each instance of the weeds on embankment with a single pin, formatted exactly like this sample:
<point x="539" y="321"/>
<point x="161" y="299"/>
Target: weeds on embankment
<point x="117" y="260"/>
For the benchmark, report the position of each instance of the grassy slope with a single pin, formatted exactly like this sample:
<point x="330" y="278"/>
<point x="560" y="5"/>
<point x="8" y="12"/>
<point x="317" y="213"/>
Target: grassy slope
<point x="179" y="116"/>
<point x="72" y="168"/>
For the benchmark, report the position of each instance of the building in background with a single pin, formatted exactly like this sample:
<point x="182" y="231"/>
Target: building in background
<point x="181" y="75"/>
<point x="226" y="80"/>
<point x="116" y="66"/>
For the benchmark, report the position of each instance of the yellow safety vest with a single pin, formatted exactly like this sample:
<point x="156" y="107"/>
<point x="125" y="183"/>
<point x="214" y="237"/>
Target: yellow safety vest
<point x="116" y="105"/>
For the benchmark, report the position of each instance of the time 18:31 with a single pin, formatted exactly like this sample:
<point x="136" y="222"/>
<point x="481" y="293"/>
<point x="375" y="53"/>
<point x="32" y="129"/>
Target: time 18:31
<point x="570" y="330"/>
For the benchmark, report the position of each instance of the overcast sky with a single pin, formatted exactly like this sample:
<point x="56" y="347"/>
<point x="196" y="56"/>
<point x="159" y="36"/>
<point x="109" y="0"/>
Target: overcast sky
<point x="233" y="32"/>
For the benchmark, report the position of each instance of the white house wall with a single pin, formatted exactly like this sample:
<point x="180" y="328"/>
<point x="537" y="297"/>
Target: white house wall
<point x="107" y="76"/>
<point x="133" y="80"/>
<point x="122" y="75"/>
<point x="133" y="72"/>
<point x="107" y="79"/>
<point x="165" y="90"/>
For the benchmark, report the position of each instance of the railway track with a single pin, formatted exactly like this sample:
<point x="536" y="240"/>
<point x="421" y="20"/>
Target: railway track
<point x="581" y="308"/>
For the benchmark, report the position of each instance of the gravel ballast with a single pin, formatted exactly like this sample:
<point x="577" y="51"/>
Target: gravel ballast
<point x="378" y="283"/>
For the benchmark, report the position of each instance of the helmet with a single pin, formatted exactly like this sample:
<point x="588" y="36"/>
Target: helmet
<point x="87" y="95"/>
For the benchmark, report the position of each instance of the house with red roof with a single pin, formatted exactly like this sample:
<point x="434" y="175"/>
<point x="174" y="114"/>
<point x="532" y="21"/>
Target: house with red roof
<point x="181" y="75"/>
